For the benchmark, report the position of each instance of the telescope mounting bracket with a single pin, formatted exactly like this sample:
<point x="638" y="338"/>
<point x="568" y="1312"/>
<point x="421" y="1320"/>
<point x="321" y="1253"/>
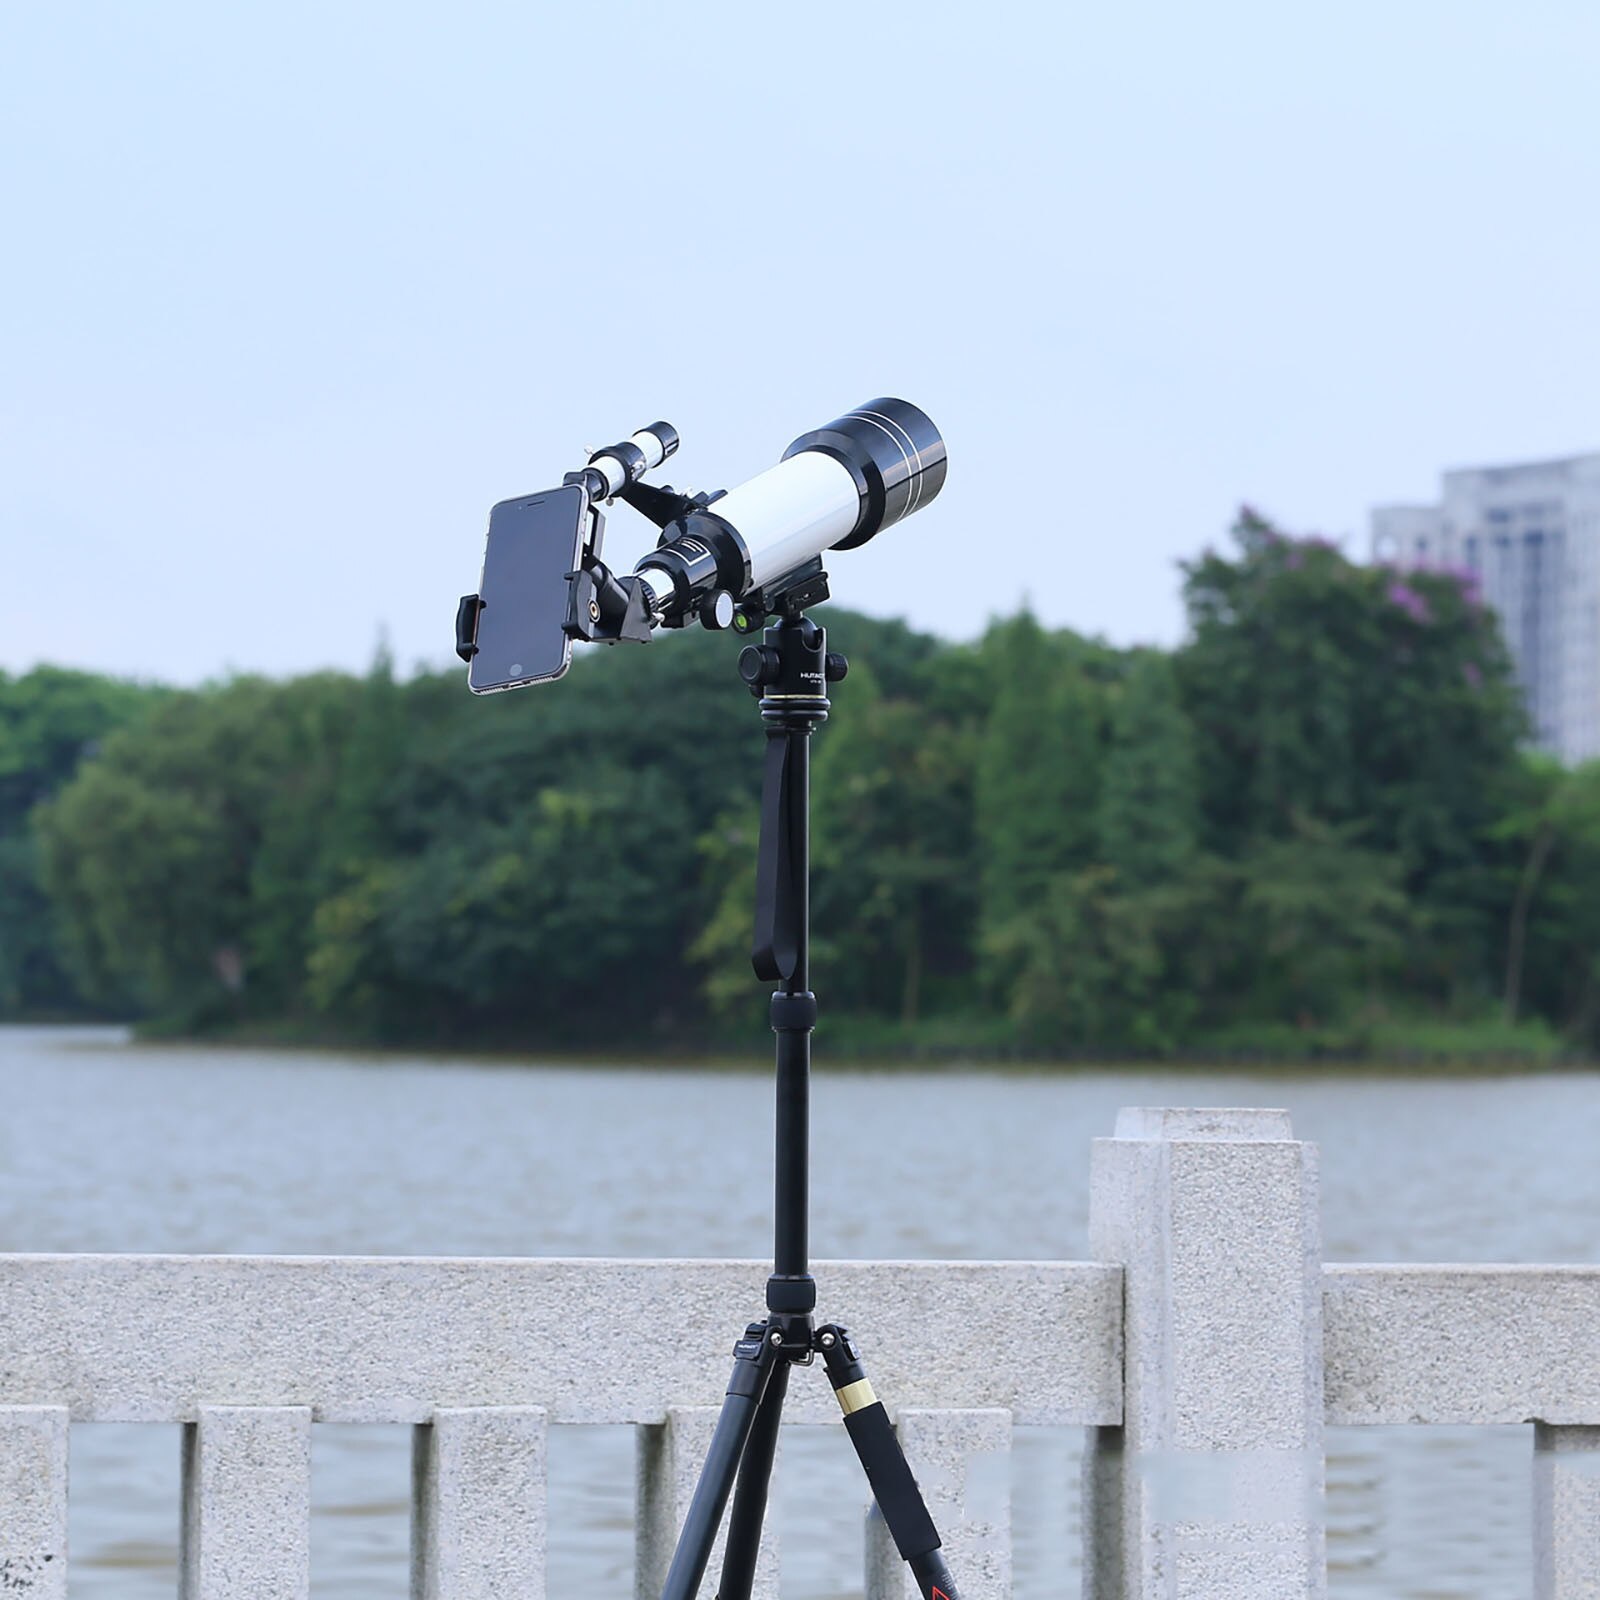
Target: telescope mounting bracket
<point x="788" y="597"/>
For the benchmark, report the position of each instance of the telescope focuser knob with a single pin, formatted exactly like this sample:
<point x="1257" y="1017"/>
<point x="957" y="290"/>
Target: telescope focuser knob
<point x="834" y="666"/>
<point x="717" y="610"/>
<point x="759" y="664"/>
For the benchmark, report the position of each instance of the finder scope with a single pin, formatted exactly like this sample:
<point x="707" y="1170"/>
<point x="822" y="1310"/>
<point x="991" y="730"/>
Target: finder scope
<point x="619" y="466"/>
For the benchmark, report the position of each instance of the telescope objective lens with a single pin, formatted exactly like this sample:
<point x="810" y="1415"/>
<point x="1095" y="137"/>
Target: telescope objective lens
<point x="894" y="453"/>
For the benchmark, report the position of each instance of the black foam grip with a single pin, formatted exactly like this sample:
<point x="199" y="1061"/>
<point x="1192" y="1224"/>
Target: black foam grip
<point x="893" y="1485"/>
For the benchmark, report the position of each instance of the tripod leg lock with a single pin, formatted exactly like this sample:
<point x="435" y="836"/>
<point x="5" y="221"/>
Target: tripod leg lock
<point x="894" y="1486"/>
<point x="752" y="1357"/>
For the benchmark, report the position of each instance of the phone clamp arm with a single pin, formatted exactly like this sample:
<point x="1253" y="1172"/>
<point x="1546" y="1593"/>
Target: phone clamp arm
<point x="468" y="610"/>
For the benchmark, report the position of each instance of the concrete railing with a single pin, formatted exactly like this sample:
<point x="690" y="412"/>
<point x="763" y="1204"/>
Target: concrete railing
<point x="1206" y="1350"/>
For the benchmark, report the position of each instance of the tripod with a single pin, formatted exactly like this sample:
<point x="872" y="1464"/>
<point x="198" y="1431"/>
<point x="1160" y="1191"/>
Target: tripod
<point x="789" y="672"/>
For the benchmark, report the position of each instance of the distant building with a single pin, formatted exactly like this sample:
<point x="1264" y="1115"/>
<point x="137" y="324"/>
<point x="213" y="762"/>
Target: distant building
<point x="1531" y="534"/>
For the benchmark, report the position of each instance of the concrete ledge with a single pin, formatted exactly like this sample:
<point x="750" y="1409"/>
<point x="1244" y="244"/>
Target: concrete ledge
<point x="127" y="1338"/>
<point x="1461" y="1344"/>
<point x="388" y="1339"/>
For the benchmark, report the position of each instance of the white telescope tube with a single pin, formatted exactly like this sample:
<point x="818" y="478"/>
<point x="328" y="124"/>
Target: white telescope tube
<point x="791" y="512"/>
<point x="834" y="489"/>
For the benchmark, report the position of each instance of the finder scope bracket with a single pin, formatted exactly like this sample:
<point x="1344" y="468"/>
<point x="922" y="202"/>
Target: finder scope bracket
<point x="664" y="505"/>
<point x="603" y="607"/>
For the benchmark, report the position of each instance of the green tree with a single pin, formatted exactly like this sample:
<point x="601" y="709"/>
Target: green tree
<point x="303" y="840"/>
<point x="1038" y="777"/>
<point x="371" y="757"/>
<point x="151" y="851"/>
<point x="893" y="876"/>
<point x="1322" y="692"/>
<point x="649" y="745"/>
<point x="1149" y="799"/>
<point x="1101" y="962"/>
<point x="1552" y="942"/>
<point x="721" y="946"/>
<point x="1328" y="918"/>
<point x="33" y="978"/>
<point x="1313" y="811"/>
<point x="51" y="720"/>
<point x="895" y="896"/>
<point x="146" y="884"/>
<point x="1101" y="969"/>
<point x="540" y="928"/>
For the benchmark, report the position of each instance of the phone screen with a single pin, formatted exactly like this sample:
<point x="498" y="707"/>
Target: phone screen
<point x="534" y="542"/>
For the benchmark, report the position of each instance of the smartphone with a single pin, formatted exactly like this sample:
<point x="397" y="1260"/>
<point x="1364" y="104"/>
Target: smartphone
<point x="534" y="542"/>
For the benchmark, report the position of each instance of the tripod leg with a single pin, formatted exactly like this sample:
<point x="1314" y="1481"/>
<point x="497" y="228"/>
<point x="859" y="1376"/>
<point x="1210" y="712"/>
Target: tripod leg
<point x="888" y="1472"/>
<point x="750" y="1495"/>
<point x="753" y="1364"/>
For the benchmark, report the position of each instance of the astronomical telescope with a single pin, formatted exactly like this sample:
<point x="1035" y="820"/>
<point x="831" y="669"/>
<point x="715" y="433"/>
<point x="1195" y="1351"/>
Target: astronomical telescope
<point x="727" y="559"/>
<point x="737" y="559"/>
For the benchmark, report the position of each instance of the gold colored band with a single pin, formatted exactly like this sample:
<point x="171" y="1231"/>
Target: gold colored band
<point x="855" y="1396"/>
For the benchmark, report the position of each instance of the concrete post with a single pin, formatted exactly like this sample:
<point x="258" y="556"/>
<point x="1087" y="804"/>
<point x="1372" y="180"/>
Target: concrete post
<point x="1566" y="1513"/>
<point x="962" y="1461"/>
<point x="1212" y="1488"/>
<point x="247" y="1504"/>
<point x="33" y="1501"/>
<point x="478" y="1504"/>
<point x="670" y="1456"/>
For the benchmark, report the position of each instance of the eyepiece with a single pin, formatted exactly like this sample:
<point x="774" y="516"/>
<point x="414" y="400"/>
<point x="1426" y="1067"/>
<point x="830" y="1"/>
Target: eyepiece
<point x="665" y="435"/>
<point x="894" y="453"/>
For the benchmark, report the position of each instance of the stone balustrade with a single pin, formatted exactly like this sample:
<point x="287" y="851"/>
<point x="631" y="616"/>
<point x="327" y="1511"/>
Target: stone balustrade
<point x="1206" y="1349"/>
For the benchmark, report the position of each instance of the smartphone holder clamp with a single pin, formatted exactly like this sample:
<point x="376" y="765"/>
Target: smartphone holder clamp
<point x="604" y="608"/>
<point x="601" y="608"/>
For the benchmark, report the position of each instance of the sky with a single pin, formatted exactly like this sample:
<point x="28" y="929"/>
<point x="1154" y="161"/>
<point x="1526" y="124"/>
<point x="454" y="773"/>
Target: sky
<point x="291" y="294"/>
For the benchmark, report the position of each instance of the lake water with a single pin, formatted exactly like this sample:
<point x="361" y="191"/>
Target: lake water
<point x="110" y="1146"/>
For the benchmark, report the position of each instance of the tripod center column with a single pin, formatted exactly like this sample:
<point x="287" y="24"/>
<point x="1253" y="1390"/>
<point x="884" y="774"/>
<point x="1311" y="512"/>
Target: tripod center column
<point x="790" y="671"/>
